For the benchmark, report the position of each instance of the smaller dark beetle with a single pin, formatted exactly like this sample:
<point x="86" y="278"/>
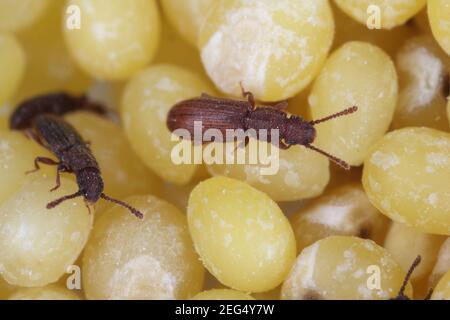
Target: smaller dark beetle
<point x="223" y="114"/>
<point x="58" y="103"/>
<point x="74" y="156"/>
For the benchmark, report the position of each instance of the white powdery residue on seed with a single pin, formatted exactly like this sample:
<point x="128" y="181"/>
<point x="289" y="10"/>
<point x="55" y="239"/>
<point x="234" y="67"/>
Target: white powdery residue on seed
<point x="103" y="31"/>
<point x="264" y="224"/>
<point x="364" y="291"/>
<point x="227" y="239"/>
<point x="433" y="200"/>
<point x="309" y="264"/>
<point x="140" y="273"/>
<point x="358" y="273"/>
<point x="384" y="160"/>
<point x="437" y="159"/>
<point x="230" y="57"/>
<point x="426" y="70"/>
<point x="252" y="175"/>
<point x="337" y="217"/>
<point x="374" y="184"/>
<point x="167" y="84"/>
<point x="292" y="179"/>
<point x="75" y="236"/>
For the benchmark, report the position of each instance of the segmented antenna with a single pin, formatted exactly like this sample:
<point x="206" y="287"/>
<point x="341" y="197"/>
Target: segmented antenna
<point x="416" y="262"/>
<point x="134" y="211"/>
<point x="336" y="160"/>
<point x="336" y="115"/>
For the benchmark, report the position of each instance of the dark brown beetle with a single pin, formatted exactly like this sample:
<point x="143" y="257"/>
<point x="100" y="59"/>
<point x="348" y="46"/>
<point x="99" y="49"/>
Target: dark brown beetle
<point x="58" y="103"/>
<point x="223" y="114"/>
<point x="74" y="156"/>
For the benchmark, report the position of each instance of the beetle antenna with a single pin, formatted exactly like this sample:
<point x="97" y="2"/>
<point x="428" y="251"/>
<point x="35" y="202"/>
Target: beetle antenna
<point x="134" y="211"/>
<point x="408" y="275"/>
<point x="57" y="202"/>
<point x="430" y="293"/>
<point x="336" y="160"/>
<point x="336" y="115"/>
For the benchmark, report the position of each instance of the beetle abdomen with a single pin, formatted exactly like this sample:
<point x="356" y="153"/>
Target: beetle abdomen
<point x="220" y="116"/>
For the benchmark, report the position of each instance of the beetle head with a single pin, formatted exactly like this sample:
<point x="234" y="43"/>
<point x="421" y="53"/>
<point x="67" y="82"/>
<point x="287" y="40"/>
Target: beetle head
<point x="91" y="184"/>
<point x="299" y="132"/>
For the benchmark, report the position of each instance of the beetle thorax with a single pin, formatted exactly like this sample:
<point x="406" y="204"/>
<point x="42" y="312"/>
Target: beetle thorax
<point x="297" y="131"/>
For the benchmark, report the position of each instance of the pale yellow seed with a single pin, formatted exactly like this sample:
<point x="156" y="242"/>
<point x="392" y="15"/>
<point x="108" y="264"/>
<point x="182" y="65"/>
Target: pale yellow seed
<point x="439" y="16"/>
<point x="38" y="244"/>
<point x="146" y="101"/>
<point x="152" y="258"/>
<point x="442" y="290"/>
<point x="12" y="64"/>
<point x="341" y="211"/>
<point x="423" y="68"/>
<point x="405" y="244"/>
<point x="187" y="16"/>
<point x="274" y="47"/>
<point x="285" y="175"/>
<point x="442" y="264"/>
<point x="342" y="267"/>
<point x="17" y="15"/>
<point x="406" y="177"/>
<point x="116" y="38"/>
<point x="357" y="74"/>
<point x="49" y="65"/>
<point x="242" y="236"/>
<point x="17" y="154"/>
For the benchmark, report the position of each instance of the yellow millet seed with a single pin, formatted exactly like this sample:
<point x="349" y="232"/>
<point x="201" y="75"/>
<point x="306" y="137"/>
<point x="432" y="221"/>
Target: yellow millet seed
<point x="17" y="15"/>
<point x="274" y="47"/>
<point x="439" y="16"/>
<point x="442" y="290"/>
<point x="38" y="244"/>
<point x="297" y="174"/>
<point x="406" y="177"/>
<point x="342" y="267"/>
<point x="357" y="74"/>
<point x="116" y="38"/>
<point x="146" y="101"/>
<point x="12" y="64"/>
<point x="341" y="211"/>
<point x="153" y="258"/>
<point x="241" y="234"/>
<point x="406" y="243"/>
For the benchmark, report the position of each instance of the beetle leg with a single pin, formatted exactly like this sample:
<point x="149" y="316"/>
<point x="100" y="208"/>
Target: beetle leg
<point x="43" y="160"/>
<point x="249" y="96"/>
<point x="61" y="168"/>
<point x="56" y="202"/>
